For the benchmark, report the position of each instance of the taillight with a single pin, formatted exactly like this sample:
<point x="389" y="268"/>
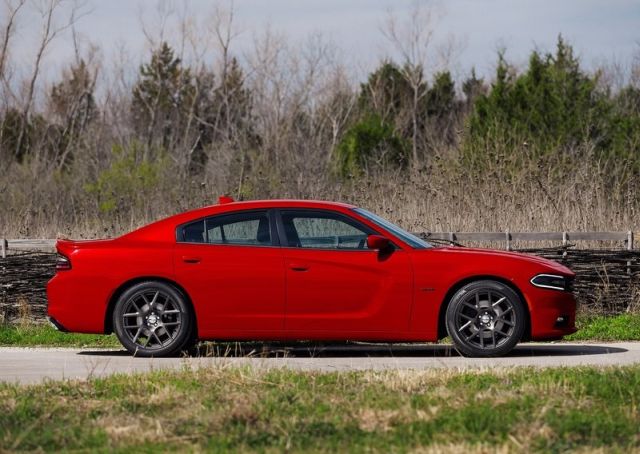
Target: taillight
<point x="62" y="263"/>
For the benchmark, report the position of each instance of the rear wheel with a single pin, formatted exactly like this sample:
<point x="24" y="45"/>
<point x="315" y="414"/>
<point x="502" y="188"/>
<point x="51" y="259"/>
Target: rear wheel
<point x="485" y="318"/>
<point x="153" y="319"/>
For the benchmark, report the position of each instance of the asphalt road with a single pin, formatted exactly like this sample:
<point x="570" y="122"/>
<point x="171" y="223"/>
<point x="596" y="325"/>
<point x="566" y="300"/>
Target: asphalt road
<point x="32" y="365"/>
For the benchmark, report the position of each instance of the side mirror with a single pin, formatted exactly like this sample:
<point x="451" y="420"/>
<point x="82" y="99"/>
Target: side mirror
<point x="378" y="242"/>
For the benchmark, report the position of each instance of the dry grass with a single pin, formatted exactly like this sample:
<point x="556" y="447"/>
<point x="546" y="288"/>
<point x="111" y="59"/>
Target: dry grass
<point x="443" y="197"/>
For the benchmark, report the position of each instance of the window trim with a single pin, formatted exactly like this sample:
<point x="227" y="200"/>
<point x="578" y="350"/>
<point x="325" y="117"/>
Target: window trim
<point x="271" y="216"/>
<point x="330" y="214"/>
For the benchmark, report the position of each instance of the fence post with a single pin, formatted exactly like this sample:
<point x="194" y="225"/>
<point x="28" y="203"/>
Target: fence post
<point x="452" y="238"/>
<point x="508" y="237"/>
<point x="629" y="248"/>
<point x="4" y="248"/>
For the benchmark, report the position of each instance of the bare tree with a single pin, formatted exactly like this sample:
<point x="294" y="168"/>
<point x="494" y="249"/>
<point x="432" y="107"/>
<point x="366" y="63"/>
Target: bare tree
<point x="413" y="39"/>
<point x="223" y="29"/>
<point x="50" y="30"/>
<point x="270" y="85"/>
<point x="339" y="105"/>
<point x="12" y="8"/>
<point x="155" y="27"/>
<point x="215" y="92"/>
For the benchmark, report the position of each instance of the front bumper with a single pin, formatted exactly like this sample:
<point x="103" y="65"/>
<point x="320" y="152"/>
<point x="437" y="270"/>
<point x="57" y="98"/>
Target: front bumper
<point x="553" y="314"/>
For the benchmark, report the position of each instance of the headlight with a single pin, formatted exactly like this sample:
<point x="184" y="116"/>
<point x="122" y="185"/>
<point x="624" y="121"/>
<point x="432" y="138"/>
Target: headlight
<point x="553" y="281"/>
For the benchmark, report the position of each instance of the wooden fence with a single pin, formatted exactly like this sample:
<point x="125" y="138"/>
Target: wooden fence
<point x="608" y="278"/>
<point x="26" y="245"/>
<point x="625" y="239"/>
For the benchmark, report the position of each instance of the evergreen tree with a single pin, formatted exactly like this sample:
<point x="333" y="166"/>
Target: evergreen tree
<point x="71" y="100"/>
<point x="222" y="111"/>
<point x="387" y="94"/>
<point x="473" y="87"/>
<point x="406" y="114"/>
<point x="441" y="110"/>
<point x="228" y="106"/>
<point x="441" y="97"/>
<point x="10" y="126"/>
<point x="553" y="104"/>
<point x="72" y="105"/>
<point x="162" y="96"/>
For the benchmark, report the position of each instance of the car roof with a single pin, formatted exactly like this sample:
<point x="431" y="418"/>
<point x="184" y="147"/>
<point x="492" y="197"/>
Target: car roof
<point x="286" y="203"/>
<point x="166" y="227"/>
<point x="264" y="204"/>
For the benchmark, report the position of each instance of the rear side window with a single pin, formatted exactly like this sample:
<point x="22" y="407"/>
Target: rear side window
<point x="193" y="233"/>
<point x="250" y="228"/>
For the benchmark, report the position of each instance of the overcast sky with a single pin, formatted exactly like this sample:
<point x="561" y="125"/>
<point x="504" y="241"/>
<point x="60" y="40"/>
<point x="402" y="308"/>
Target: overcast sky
<point x="599" y="30"/>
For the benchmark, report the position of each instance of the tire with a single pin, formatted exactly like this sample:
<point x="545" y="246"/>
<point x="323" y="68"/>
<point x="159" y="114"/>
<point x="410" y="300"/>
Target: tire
<point x="153" y="319"/>
<point x="485" y="319"/>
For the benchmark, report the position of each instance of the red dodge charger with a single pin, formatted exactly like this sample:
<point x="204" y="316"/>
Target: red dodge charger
<point x="302" y="270"/>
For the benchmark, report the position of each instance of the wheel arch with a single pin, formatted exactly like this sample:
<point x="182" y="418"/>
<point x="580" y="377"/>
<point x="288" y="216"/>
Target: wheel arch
<point x="108" y="317"/>
<point x="442" y="329"/>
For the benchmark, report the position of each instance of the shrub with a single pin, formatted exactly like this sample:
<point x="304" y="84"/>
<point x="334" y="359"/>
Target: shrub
<point x="370" y="142"/>
<point x="129" y="179"/>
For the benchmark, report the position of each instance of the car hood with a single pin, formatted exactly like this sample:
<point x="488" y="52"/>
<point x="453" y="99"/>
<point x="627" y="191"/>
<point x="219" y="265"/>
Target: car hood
<point x="549" y="265"/>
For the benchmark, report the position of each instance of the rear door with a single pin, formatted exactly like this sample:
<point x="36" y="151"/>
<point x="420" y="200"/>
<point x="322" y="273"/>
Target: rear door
<point x="232" y="267"/>
<point x="336" y="286"/>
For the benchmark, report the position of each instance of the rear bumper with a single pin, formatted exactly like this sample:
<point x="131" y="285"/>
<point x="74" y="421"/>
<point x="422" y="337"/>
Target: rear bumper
<point x="75" y="304"/>
<point x="553" y="314"/>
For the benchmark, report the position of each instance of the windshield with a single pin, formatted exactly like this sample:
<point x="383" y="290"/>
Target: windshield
<point x="412" y="240"/>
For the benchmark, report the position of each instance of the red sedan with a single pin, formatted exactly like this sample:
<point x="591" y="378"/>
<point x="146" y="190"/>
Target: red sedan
<point x="302" y="270"/>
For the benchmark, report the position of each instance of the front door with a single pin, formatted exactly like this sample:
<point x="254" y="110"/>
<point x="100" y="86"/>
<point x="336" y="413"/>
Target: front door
<point x="232" y="268"/>
<point x="336" y="286"/>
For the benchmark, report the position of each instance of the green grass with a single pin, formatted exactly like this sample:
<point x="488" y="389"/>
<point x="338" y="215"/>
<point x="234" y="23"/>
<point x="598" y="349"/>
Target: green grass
<point x="34" y="335"/>
<point x="624" y="327"/>
<point x="238" y="410"/>
<point x="591" y="328"/>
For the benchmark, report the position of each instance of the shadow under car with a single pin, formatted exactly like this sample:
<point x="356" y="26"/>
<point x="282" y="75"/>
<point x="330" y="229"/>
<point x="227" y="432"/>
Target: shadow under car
<point x="349" y="349"/>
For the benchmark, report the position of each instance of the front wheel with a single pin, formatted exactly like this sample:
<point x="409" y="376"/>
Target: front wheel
<point x="152" y="319"/>
<point x="485" y="319"/>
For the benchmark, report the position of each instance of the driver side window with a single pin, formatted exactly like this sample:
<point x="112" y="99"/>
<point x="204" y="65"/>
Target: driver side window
<point x="323" y="231"/>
